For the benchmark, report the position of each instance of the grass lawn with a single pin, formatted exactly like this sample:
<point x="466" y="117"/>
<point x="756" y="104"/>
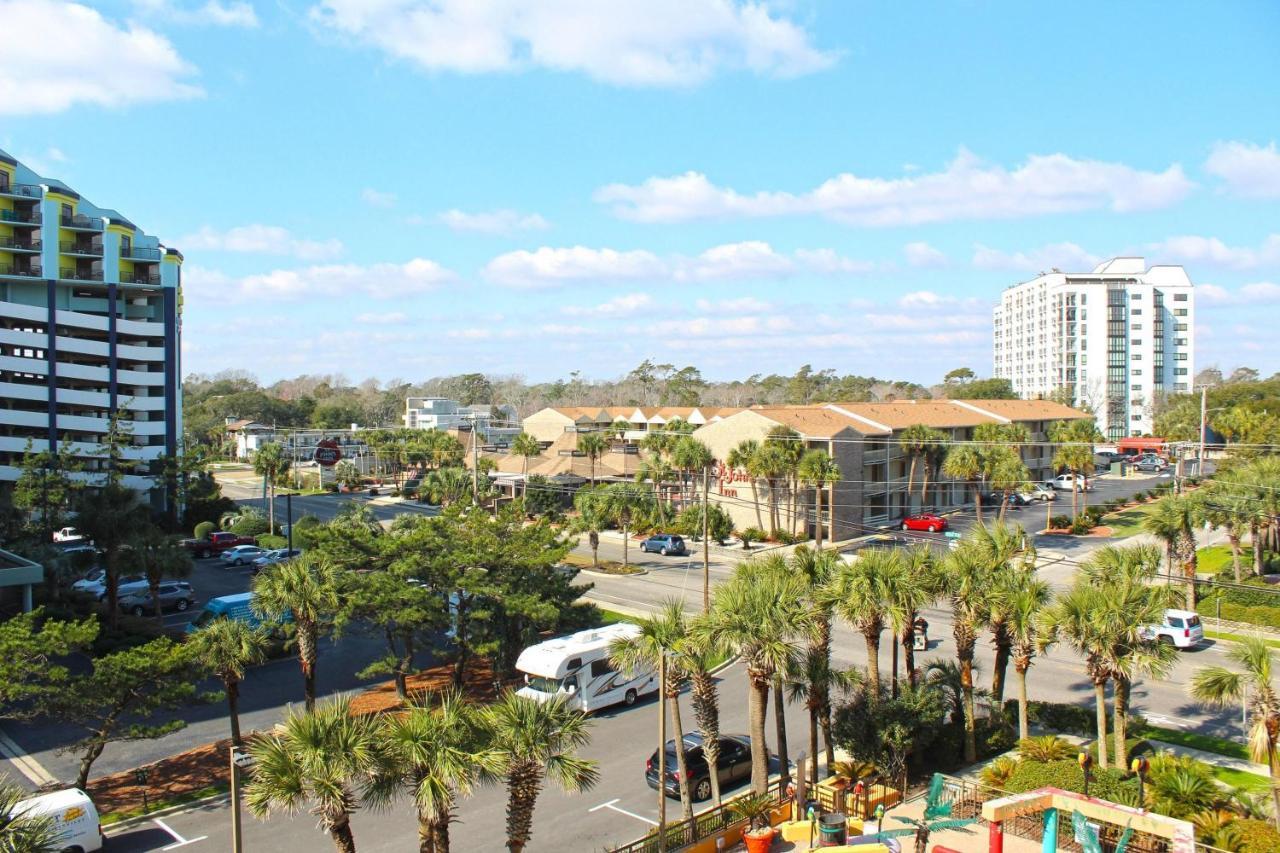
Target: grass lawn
<point x="1127" y="522"/>
<point x="1207" y="743"/>
<point x="1225" y="635"/>
<point x="1241" y="779"/>
<point x="157" y="804"/>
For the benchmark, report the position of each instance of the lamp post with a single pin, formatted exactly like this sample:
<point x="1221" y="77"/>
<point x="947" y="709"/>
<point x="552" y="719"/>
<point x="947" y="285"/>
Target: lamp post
<point x="239" y="761"/>
<point x="1140" y="766"/>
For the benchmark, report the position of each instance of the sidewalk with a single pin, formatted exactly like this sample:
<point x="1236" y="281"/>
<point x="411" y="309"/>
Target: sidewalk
<point x="1213" y="759"/>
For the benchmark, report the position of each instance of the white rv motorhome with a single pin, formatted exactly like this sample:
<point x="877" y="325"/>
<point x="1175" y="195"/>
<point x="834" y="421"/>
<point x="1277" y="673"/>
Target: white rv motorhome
<point x="577" y="668"/>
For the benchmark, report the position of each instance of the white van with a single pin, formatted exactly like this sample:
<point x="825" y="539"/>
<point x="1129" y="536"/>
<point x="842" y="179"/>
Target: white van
<point x="73" y="813"/>
<point x="577" y="668"/>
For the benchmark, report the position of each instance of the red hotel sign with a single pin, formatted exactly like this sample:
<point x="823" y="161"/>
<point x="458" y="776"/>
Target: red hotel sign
<point x="726" y="476"/>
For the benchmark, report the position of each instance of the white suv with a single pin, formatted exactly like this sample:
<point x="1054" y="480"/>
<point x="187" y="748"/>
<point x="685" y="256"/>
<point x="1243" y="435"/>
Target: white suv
<point x="1067" y="482"/>
<point x="1180" y="628"/>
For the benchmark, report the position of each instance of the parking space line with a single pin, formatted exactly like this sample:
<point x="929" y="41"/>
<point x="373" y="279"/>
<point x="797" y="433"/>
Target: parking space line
<point x="26" y="765"/>
<point x="181" y="842"/>
<point x="610" y="805"/>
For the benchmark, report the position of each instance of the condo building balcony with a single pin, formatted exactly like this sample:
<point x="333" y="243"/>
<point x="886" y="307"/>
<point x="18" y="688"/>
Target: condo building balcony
<point x="21" y="218"/>
<point x="81" y="249"/>
<point x="20" y="190"/>
<point x="140" y="253"/>
<point x="140" y="277"/>
<point x="20" y="270"/>
<point x="82" y="274"/>
<point x="80" y="222"/>
<point x="17" y="244"/>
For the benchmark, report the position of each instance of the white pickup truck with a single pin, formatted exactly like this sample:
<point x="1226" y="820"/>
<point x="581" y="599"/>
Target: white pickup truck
<point x="67" y="534"/>
<point x="1179" y="628"/>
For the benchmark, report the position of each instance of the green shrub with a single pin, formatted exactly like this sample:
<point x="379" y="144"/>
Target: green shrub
<point x="749" y="535"/>
<point x="1106" y="784"/>
<point x="1232" y="612"/>
<point x="1056" y="716"/>
<point x="1081" y="526"/>
<point x="271" y="542"/>
<point x="784" y="537"/>
<point x="251" y="524"/>
<point x="1255" y="836"/>
<point x="203" y="529"/>
<point x="1060" y="522"/>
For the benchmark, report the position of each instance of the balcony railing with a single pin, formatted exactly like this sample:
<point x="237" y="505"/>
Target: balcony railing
<point x="20" y="218"/>
<point x="140" y="278"/>
<point x="79" y="220"/>
<point x="14" y="269"/>
<point x="77" y="275"/>
<point x="80" y="249"/>
<point x="23" y="190"/>
<point x="141" y="253"/>
<point x="21" y="245"/>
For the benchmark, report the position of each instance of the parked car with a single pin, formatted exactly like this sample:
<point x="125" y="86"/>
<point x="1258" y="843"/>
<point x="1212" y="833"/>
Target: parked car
<point x="95" y="583"/>
<point x="664" y="544"/>
<point x="67" y="534"/>
<point x="174" y="595"/>
<point x="242" y="555"/>
<point x="1067" y="482"/>
<point x="733" y="764"/>
<point x="215" y="543"/>
<point x="995" y="499"/>
<point x="1039" y="492"/>
<point x="271" y="558"/>
<point x="1104" y="458"/>
<point x="1150" y="466"/>
<point x="1179" y="628"/>
<point x="925" y="521"/>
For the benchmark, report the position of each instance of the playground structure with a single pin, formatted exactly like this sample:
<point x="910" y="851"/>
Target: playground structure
<point x="1179" y="834"/>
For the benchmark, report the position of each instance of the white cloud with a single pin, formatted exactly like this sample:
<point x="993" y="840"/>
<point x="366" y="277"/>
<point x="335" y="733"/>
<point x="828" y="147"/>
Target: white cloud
<point x="1255" y="293"/>
<point x="1248" y="170"/>
<point x="384" y="280"/>
<point x="751" y="259"/>
<point x="96" y="61"/>
<point x="261" y="239"/>
<point x="1064" y="256"/>
<point x="1191" y="248"/>
<point x="655" y="43"/>
<point x="493" y="221"/>
<point x="390" y="318"/>
<point x="966" y="189"/>
<point x="374" y="198"/>
<point x="1211" y="294"/>
<point x="622" y="306"/>
<point x="921" y="254"/>
<point x="213" y="13"/>
<point x="741" y="305"/>
<point x="547" y="267"/>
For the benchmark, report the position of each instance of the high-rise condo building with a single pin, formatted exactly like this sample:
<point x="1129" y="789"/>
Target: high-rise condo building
<point x="90" y="320"/>
<point x="1112" y="341"/>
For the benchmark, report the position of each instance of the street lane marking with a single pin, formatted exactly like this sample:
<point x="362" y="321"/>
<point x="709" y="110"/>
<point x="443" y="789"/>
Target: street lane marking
<point x="26" y="765"/>
<point x="610" y="805"/>
<point x="182" y="842"/>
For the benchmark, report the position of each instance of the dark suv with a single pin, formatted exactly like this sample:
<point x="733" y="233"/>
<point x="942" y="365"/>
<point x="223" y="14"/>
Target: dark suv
<point x="174" y="595"/>
<point x="664" y="544"/>
<point x="735" y="765"/>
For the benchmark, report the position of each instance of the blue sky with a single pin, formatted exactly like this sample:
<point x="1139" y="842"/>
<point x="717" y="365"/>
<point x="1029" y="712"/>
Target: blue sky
<point x="408" y="188"/>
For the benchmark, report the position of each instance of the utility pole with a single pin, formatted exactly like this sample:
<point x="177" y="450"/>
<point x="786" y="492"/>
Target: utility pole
<point x="1204" y="403"/>
<point x="475" y="464"/>
<point x="288" y="502"/>
<point x="662" y="751"/>
<point x="236" y="844"/>
<point x="706" y="540"/>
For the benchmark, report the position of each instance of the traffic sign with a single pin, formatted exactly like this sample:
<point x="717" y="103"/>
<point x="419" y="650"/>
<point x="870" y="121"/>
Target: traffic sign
<point x="327" y="453"/>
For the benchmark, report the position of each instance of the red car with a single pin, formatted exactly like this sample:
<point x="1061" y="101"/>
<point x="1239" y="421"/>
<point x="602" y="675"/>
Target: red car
<point x="924" y="521"/>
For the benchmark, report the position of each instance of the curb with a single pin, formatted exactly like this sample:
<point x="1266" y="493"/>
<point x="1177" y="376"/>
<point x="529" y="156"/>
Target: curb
<point x="130" y="822"/>
<point x="583" y="571"/>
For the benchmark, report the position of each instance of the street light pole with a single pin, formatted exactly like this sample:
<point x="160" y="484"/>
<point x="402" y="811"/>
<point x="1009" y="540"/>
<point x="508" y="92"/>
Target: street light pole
<point x="288" y="502"/>
<point x="236" y="844"/>
<point x="1204" y="402"/>
<point x="662" y="751"/>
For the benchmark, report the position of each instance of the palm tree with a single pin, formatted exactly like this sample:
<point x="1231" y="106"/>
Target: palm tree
<point x="818" y="470"/>
<point x="25" y="832"/>
<point x="1006" y="474"/>
<point x="536" y="740"/>
<point x="915" y="441"/>
<point x="1000" y="545"/>
<point x="964" y="463"/>
<point x="691" y="456"/>
<point x="1073" y="618"/>
<point x="448" y="485"/>
<point x="859" y="593"/>
<point x="771" y="466"/>
<point x="791" y="448"/>
<point x="743" y="458"/>
<point x="1173" y="520"/>
<point x="649" y="651"/>
<point x="304" y="591"/>
<point x="658" y="471"/>
<point x="1024" y="604"/>
<point x="1075" y="440"/>
<point x="526" y="447"/>
<point x="324" y="757"/>
<point x="270" y="462"/>
<point x="621" y="502"/>
<point x="226" y="648"/>
<point x="966" y="579"/>
<point x="909" y="591"/>
<point x="1218" y="685"/>
<point x="436" y="752"/>
<point x="757" y="615"/>
<point x="697" y="658"/>
<point x="1226" y="503"/>
<point x="811" y="681"/>
<point x="816" y="568"/>
<point x="592" y="445"/>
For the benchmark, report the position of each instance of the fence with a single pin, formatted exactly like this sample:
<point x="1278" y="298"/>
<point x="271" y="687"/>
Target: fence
<point x="683" y="833"/>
